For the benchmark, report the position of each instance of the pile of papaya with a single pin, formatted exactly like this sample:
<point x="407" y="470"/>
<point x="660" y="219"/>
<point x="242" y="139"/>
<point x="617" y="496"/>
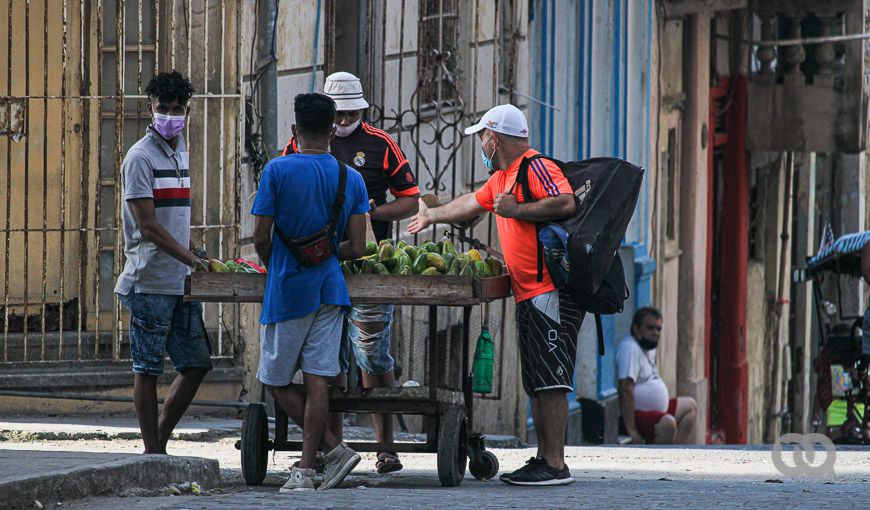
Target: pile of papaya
<point x="227" y="266"/>
<point x="428" y="259"/>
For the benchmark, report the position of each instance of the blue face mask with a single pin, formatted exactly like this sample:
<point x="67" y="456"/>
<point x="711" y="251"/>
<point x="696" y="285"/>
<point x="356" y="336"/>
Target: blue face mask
<point x="487" y="161"/>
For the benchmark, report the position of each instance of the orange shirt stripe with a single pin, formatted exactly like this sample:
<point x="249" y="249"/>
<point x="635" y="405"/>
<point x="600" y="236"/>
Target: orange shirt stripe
<point x="382" y="134"/>
<point x="410" y="192"/>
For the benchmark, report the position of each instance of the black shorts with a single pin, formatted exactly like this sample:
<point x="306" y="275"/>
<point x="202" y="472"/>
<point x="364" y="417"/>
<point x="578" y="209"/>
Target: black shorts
<point x="548" y="348"/>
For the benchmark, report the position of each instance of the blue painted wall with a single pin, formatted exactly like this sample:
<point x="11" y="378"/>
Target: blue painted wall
<point x="594" y="80"/>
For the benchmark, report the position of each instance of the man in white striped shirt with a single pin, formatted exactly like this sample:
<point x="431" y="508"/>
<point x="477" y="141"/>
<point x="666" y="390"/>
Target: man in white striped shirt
<point x="156" y="222"/>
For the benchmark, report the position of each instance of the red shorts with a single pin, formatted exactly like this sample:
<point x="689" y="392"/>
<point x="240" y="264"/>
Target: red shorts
<point x="645" y="421"/>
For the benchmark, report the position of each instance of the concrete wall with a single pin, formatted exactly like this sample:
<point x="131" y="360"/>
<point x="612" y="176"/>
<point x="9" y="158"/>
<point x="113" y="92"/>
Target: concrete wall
<point x="694" y="210"/>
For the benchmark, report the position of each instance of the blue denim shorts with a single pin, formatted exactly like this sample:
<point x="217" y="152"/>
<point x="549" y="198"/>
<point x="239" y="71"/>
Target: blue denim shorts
<point x="161" y="324"/>
<point x="372" y="354"/>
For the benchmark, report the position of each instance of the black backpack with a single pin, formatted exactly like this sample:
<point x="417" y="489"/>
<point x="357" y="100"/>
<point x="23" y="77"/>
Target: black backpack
<point x="581" y="251"/>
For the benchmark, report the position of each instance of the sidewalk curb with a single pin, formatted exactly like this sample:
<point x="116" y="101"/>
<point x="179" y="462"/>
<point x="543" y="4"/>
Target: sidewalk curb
<point x="110" y="478"/>
<point x="24" y="436"/>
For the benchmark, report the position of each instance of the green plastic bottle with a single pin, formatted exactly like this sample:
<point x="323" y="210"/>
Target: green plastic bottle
<point x="482" y="368"/>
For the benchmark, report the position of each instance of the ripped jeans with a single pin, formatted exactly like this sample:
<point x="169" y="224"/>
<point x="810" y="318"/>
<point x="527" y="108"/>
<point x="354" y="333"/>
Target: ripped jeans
<point x="372" y="351"/>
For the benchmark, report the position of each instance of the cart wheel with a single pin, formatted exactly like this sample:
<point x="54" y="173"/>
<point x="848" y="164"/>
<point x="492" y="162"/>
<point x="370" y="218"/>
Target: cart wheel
<point x="452" y="447"/>
<point x="486" y="469"/>
<point x="255" y="444"/>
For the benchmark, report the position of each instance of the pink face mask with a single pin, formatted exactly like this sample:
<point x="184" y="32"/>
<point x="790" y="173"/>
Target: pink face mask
<point x="168" y="126"/>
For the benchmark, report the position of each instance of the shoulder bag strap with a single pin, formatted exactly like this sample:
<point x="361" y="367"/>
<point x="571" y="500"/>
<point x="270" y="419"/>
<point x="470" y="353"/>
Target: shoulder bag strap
<point x="340" y="192"/>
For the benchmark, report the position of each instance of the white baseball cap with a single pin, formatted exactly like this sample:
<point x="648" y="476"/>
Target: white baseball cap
<point x="346" y="90"/>
<point x="506" y="119"/>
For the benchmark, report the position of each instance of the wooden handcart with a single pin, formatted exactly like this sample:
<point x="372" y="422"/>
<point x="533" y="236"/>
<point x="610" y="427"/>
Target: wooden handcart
<point x="448" y="417"/>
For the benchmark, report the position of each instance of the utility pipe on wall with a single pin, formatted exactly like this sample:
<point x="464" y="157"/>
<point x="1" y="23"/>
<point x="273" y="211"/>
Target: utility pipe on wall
<point x="267" y="18"/>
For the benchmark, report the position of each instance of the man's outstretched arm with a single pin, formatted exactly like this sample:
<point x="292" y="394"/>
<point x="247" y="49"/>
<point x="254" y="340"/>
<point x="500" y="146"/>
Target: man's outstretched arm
<point x="464" y="207"/>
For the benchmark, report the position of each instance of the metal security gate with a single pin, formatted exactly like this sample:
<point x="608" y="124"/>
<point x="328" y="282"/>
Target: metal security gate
<point x="431" y="68"/>
<point x="71" y="104"/>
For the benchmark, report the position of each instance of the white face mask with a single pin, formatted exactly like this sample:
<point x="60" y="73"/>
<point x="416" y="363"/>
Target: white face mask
<point x="343" y="131"/>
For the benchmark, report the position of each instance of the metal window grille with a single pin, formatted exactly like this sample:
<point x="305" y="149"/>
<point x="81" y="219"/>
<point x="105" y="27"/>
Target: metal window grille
<point x="73" y="90"/>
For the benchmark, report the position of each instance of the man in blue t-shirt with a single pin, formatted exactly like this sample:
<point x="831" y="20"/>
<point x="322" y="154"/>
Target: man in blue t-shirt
<point x="304" y="306"/>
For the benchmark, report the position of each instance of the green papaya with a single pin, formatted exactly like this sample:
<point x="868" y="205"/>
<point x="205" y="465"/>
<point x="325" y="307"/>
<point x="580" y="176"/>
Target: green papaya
<point x="429" y="271"/>
<point x="448" y="248"/>
<point x="401" y="245"/>
<point x="371" y="248"/>
<point x="411" y="252"/>
<point x="387" y="241"/>
<point x="420" y="263"/>
<point x="400" y="264"/>
<point x="430" y="247"/>
<point x="494" y="266"/>
<point x="406" y="271"/>
<point x="436" y="261"/>
<point x="368" y="267"/>
<point x="385" y="252"/>
<point x="390" y="264"/>
<point x="463" y="258"/>
<point x="454" y="268"/>
<point x="440" y="245"/>
<point x="481" y="269"/>
<point x="380" y="269"/>
<point x="448" y="260"/>
<point x="401" y="261"/>
<point x="467" y="270"/>
<point x="218" y="267"/>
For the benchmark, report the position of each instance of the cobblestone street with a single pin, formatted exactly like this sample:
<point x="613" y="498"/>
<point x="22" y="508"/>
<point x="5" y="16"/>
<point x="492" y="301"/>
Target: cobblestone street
<point x="589" y="492"/>
<point x="607" y="477"/>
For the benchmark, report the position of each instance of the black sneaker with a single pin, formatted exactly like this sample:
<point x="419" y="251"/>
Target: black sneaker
<point x="532" y="462"/>
<point x="540" y="474"/>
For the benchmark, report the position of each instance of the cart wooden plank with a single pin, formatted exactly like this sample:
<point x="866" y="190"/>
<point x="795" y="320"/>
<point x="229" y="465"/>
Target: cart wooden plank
<point x="363" y="289"/>
<point x="225" y="287"/>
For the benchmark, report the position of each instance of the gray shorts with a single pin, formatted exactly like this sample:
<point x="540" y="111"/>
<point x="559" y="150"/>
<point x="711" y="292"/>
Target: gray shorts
<point x="310" y="343"/>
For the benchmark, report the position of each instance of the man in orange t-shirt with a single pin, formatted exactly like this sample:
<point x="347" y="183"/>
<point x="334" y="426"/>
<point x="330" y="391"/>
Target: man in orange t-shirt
<point x="548" y="320"/>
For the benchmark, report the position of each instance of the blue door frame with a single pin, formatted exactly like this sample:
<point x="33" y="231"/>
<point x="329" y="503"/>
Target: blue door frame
<point x="626" y="25"/>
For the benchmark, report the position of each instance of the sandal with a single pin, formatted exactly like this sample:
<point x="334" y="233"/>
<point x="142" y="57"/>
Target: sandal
<point x="388" y="462"/>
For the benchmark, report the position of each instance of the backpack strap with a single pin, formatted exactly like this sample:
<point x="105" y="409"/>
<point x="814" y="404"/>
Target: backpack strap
<point x="600" y="329"/>
<point x="523" y="180"/>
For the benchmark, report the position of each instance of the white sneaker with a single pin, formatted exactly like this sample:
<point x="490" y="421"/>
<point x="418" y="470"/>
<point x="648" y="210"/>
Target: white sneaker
<point x="337" y="465"/>
<point x="301" y="479"/>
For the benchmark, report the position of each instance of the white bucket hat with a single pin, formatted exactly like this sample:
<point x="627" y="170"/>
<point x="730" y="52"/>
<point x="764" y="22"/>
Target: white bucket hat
<point x="346" y="90"/>
<point x="506" y="119"/>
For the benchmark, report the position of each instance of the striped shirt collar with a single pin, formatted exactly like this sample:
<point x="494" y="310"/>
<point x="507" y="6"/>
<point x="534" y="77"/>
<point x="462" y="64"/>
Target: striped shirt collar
<point x="167" y="149"/>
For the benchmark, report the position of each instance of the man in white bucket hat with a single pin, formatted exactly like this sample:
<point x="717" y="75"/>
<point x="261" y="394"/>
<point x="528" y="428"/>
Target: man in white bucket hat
<point x="548" y="320"/>
<point x="374" y="154"/>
